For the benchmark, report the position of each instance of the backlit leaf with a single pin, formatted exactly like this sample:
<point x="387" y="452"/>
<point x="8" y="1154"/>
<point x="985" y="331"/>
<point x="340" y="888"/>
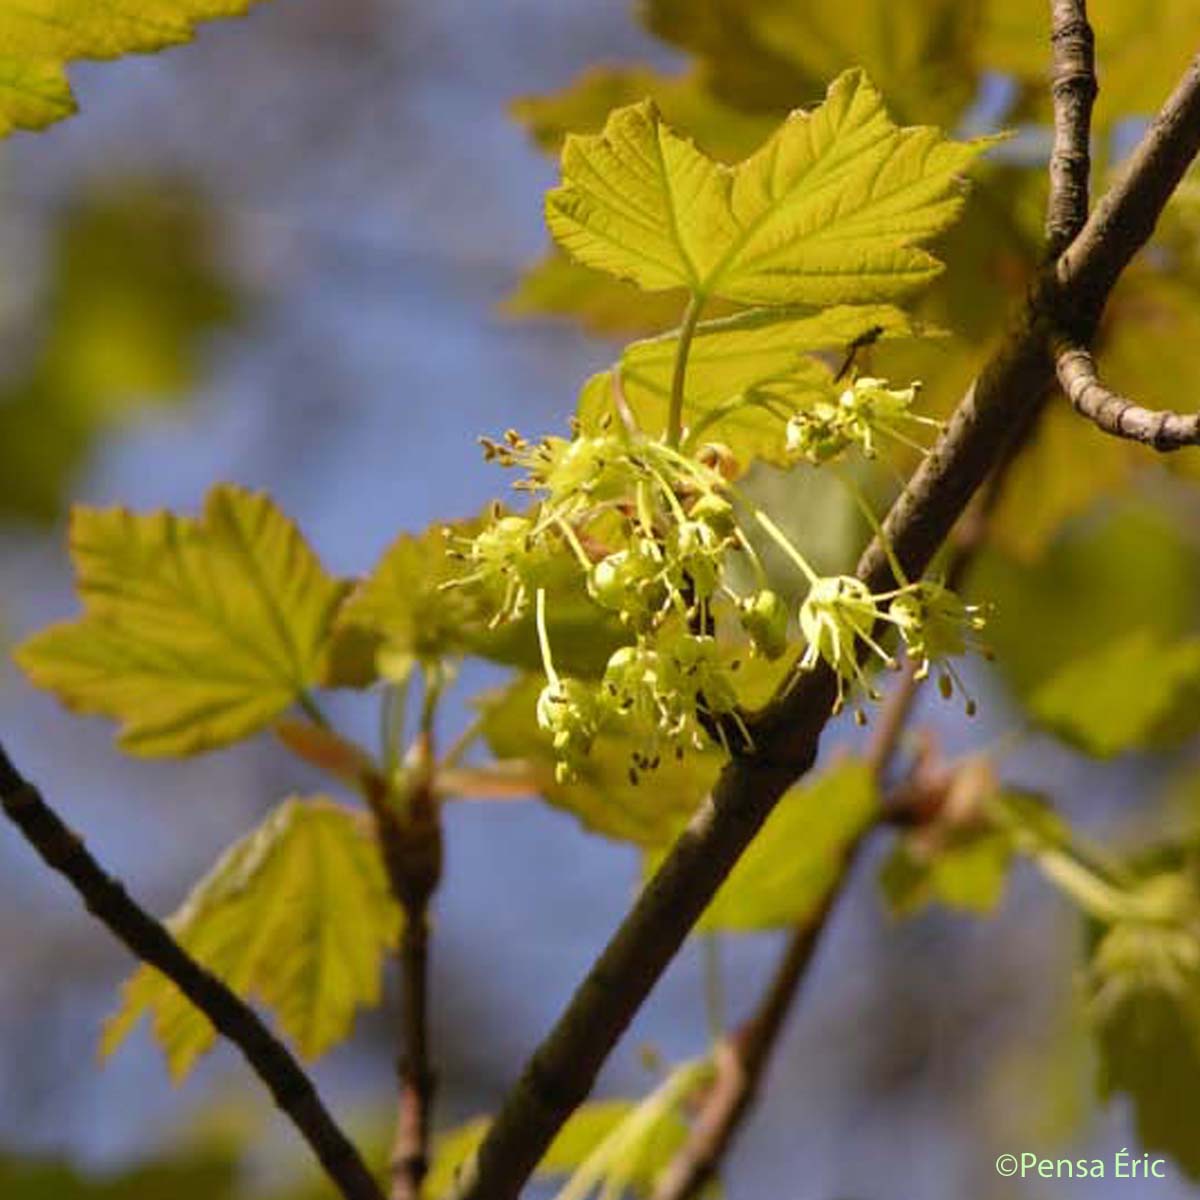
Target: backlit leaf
<point x="830" y="210"/>
<point x="195" y="632"/>
<point x="746" y="374"/>
<point x="297" y="915"/>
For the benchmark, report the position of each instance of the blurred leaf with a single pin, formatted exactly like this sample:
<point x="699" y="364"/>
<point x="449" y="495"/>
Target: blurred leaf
<point x="967" y="835"/>
<point x="297" y="915"/>
<point x="771" y="55"/>
<point x="582" y="107"/>
<point x="1139" y="52"/>
<point x="793" y="223"/>
<point x="133" y="290"/>
<point x="967" y="875"/>
<point x="1143" y="987"/>
<point x="557" y="287"/>
<point x="195" y="632"/>
<point x="1152" y="321"/>
<point x="605" y="798"/>
<point x="621" y="1144"/>
<point x="450" y="1153"/>
<point x="1103" y="580"/>
<point x="39" y="37"/>
<point x="402" y="609"/>
<point x="190" y="1176"/>
<point x="797" y="856"/>
<point x="1122" y="694"/>
<point x="1067" y="466"/>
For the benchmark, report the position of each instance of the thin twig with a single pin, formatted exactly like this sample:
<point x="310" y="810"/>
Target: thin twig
<point x="1074" y="91"/>
<point x="410" y="839"/>
<point x="152" y="943"/>
<point x="562" y="1070"/>
<point x="1115" y="414"/>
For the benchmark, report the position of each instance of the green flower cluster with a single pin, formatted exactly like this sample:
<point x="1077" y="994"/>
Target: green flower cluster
<point x="652" y="530"/>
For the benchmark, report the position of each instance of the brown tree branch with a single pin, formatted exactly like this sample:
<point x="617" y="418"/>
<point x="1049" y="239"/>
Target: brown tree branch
<point x="562" y="1070"/>
<point x="743" y="1061"/>
<point x="1115" y="414"/>
<point x="152" y="943"/>
<point x="1073" y="89"/>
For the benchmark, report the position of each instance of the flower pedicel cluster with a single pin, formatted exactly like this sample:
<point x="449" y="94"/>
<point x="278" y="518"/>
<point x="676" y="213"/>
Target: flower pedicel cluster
<point x="651" y="529"/>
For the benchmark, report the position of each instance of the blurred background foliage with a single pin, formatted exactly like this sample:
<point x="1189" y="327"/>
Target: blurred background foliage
<point x="292" y="254"/>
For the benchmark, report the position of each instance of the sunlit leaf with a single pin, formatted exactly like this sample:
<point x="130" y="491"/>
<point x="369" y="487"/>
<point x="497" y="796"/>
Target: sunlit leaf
<point x="297" y="915"/>
<point x="195" y="632"/>
<point x="830" y="210"/>
<point x="39" y="37"/>
<point x="1067" y="467"/>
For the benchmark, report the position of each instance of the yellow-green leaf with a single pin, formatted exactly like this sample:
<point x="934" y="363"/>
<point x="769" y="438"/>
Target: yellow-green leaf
<point x="558" y="287"/>
<point x="39" y="37"/>
<point x="1121" y="694"/>
<point x="961" y="857"/>
<point x="404" y="608"/>
<point x="747" y="374"/>
<point x="132" y="293"/>
<point x="830" y="210"/>
<point x="584" y="105"/>
<point x="297" y="916"/>
<point x="1139" y="50"/>
<point x="605" y="798"/>
<point x="195" y="632"/>
<point x="769" y="55"/>
<point x="797" y="856"/>
<point x="643" y="1137"/>
<point x="1085" y="668"/>
<point x="1143" y="1004"/>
